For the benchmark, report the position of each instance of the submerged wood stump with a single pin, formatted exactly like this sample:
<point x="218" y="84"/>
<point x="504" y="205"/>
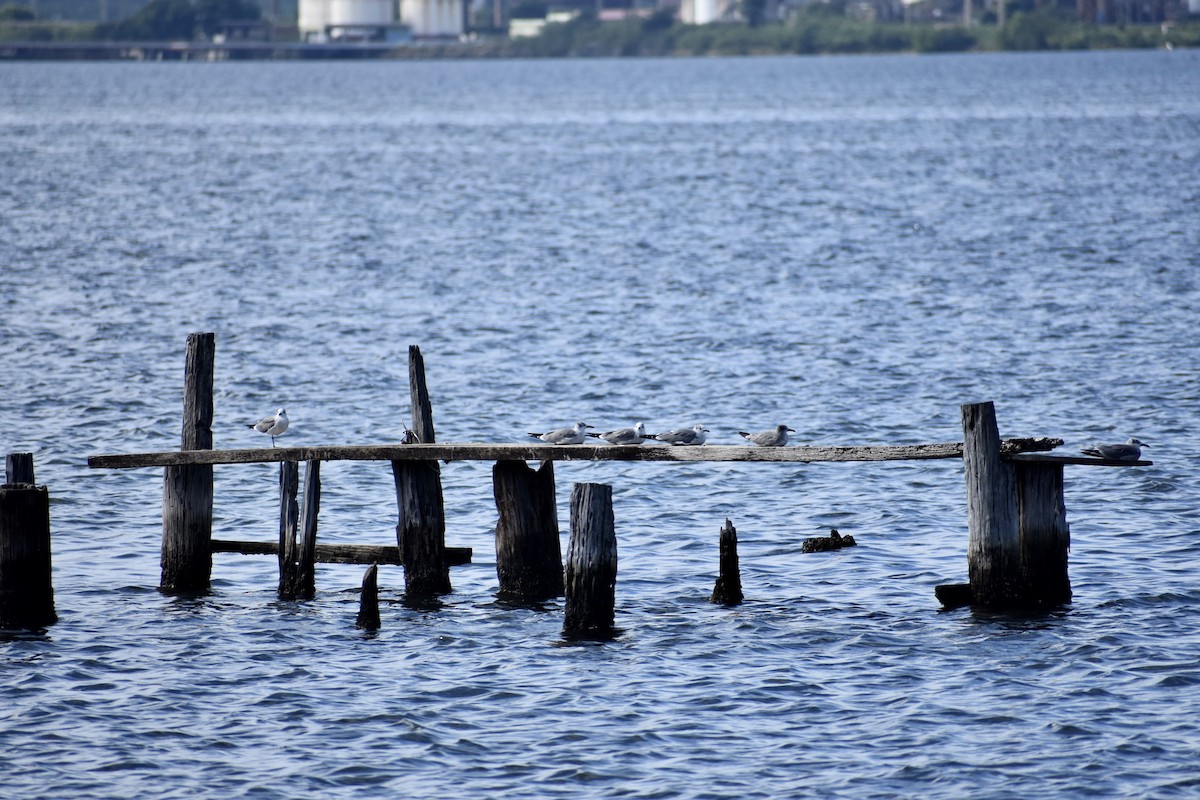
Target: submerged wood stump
<point x="591" y="564"/>
<point x="528" y="550"/>
<point x="368" y="601"/>
<point x="421" y="531"/>
<point x="188" y="489"/>
<point x="728" y="589"/>
<point x="26" y="591"/>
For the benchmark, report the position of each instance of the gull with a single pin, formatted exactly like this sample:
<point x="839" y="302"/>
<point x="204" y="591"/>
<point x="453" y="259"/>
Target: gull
<point x="634" y="435"/>
<point x="1130" y="451"/>
<point x="273" y="425"/>
<point x="692" y="435"/>
<point x="573" y="435"/>
<point x="776" y="437"/>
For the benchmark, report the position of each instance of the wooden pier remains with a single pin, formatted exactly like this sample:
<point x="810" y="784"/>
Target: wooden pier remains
<point x="1017" y="547"/>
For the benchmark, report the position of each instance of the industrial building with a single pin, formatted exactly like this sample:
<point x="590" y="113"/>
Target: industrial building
<point x="379" y="20"/>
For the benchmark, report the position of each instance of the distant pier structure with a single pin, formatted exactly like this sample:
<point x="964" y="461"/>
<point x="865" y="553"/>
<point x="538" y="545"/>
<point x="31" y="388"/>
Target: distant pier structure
<point x="376" y="20"/>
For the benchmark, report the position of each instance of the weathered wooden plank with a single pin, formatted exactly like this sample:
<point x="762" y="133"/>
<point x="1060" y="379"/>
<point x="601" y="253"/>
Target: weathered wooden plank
<point x="338" y="553"/>
<point x="476" y="451"/>
<point x="1087" y="461"/>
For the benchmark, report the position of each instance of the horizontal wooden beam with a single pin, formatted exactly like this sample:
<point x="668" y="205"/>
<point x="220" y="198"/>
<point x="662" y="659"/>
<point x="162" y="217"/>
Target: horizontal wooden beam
<point x="339" y="553"/>
<point x="1088" y="461"/>
<point x="547" y="452"/>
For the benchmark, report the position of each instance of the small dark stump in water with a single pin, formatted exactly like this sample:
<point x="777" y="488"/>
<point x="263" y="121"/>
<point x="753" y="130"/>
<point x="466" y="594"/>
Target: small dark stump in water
<point x="823" y="544"/>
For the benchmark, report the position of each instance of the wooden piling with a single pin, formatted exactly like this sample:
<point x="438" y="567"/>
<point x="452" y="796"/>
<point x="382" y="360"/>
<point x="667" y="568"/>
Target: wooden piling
<point x="298" y="531"/>
<point x="26" y="591"/>
<point x="188" y="489"/>
<point x="528" y="550"/>
<point x="289" y="523"/>
<point x="728" y="590"/>
<point x="421" y="532"/>
<point x="993" y="549"/>
<point x="368" y="601"/>
<point x="1017" y="552"/>
<point x="1044" y="535"/>
<point x="591" y="573"/>
<point x="18" y="468"/>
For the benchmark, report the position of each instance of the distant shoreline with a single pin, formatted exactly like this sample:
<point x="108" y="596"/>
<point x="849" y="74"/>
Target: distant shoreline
<point x="1024" y="33"/>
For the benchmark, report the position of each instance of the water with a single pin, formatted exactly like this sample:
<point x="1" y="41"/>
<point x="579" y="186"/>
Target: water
<point x="853" y="246"/>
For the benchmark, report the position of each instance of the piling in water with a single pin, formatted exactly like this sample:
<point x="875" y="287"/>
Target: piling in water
<point x="26" y="592"/>
<point x="421" y="531"/>
<point x="188" y="489"/>
<point x="368" y="601"/>
<point x="1017" y="551"/>
<point x="591" y="579"/>
<point x="298" y="530"/>
<point x="728" y="589"/>
<point x="528" y="551"/>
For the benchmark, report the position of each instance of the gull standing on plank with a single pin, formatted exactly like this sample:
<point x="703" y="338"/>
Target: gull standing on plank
<point x="684" y="436"/>
<point x="273" y="425"/>
<point x="776" y="437"/>
<point x="634" y="435"/>
<point x="572" y="435"/>
<point x="1130" y="451"/>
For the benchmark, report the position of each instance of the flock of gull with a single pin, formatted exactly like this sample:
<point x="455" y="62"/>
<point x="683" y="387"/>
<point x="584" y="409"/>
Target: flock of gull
<point x="695" y="435"/>
<point x="275" y="424"/>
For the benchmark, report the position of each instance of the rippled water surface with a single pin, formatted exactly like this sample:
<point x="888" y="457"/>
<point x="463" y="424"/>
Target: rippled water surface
<point x="851" y="246"/>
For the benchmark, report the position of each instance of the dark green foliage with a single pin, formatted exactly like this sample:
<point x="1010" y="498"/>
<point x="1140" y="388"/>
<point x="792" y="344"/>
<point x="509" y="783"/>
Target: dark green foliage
<point x="159" y="20"/>
<point x="942" y="40"/>
<point x="753" y="12"/>
<point x="211" y="13"/>
<point x="16" y="13"/>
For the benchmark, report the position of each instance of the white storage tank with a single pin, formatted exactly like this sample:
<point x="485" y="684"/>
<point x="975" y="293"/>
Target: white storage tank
<point x="360" y="13"/>
<point x="313" y="19"/>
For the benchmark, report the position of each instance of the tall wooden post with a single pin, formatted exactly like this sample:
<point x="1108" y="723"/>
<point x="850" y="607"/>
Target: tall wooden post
<point x="298" y="530"/>
<point x="528" y="551"/>
<point x="289" y="522"/>
<point x="26" y="591"/>
<point x="1017" y="554"/>
<point x="421" y="532"/>
<point x="993" y="550"/>
<point x="188" y="490"/>
<point x="728" y="590"/>
<point x="1044" y="536"/>
<point x="591" y="564"/>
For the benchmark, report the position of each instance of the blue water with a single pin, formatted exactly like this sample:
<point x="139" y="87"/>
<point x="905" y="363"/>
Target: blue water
<point x="852" y="246"/>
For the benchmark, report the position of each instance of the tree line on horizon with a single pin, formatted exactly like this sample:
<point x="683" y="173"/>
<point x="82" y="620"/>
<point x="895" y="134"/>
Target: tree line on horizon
<point x="817" y="28"/>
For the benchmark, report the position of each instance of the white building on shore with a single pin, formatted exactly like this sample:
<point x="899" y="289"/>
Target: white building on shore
<point x="377" y="20"/>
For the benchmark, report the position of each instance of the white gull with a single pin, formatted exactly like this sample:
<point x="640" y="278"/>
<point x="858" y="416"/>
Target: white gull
<point x="273" y="425"/>
<point x="572" y="435"/>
